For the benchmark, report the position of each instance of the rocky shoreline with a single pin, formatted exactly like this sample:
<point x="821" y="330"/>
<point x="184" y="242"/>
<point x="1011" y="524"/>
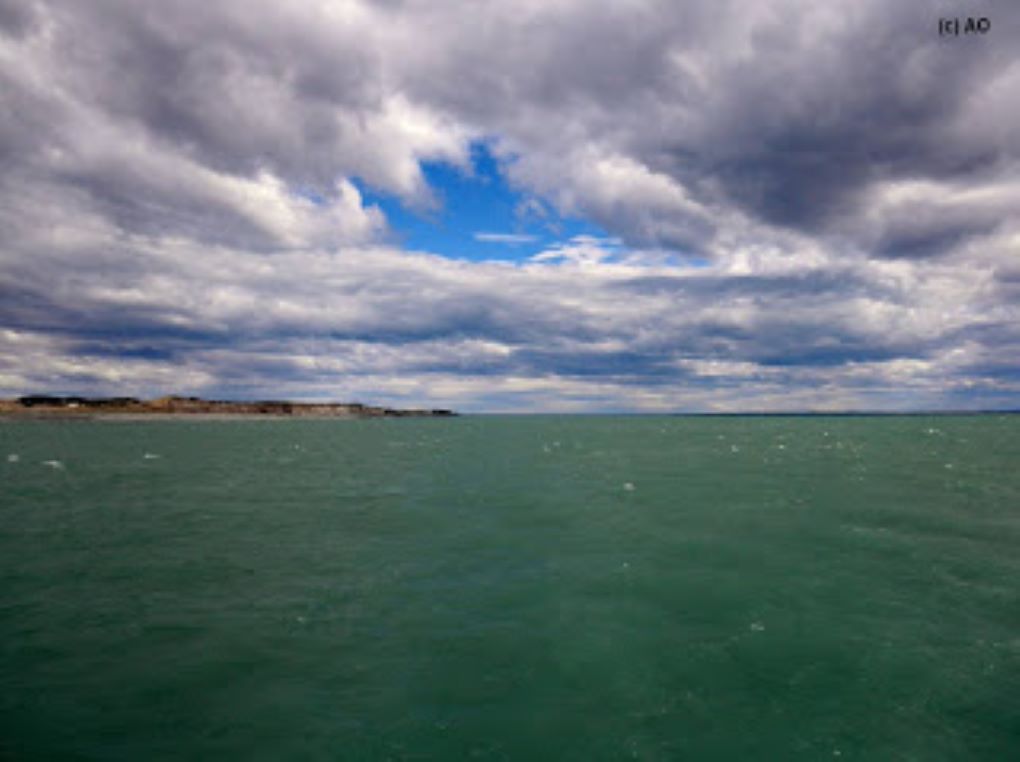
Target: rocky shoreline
<point x="44" y="406"/>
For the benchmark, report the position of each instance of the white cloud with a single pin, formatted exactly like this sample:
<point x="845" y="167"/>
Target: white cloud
<point x="508" y="238"/>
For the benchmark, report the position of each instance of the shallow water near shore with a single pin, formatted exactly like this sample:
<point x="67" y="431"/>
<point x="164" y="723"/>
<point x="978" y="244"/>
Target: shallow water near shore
<point x="563" y="588"/>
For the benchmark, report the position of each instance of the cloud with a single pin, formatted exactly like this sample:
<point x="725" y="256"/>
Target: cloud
<point x="581" y="250"/>
<point x="379" y="324"/>
<point x="508" y="238"/>
<point x="785" y="112"/>
<point x="805" y="205"/>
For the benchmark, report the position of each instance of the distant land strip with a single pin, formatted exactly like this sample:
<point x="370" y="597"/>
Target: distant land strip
<point x="45" y="406"/>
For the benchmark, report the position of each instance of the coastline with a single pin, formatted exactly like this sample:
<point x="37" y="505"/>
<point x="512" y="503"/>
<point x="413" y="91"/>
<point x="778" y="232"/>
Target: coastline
<point x="49" y="408"/>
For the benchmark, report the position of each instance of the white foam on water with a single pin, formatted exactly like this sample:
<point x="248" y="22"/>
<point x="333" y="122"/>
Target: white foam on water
<point x="151" y="456"/>
<point x="628" y="487"/>
<point x="53" y="464"/>
<point x="13" y="457"/>
<point x="757" y="627"/>
<point x="734" y="448"/>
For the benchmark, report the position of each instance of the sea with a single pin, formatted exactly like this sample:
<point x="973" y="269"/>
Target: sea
<point x="511" y="588"/>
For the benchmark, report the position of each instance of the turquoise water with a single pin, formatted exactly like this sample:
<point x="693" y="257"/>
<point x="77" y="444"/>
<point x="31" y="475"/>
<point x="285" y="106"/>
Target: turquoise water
<point x="562" y="588"/>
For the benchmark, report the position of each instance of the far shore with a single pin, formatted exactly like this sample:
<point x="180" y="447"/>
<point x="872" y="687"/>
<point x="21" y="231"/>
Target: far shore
<point x="46" y="407"/>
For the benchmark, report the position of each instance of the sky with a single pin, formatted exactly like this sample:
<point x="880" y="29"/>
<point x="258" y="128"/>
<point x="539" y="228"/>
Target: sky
<point x="515" y="206"/>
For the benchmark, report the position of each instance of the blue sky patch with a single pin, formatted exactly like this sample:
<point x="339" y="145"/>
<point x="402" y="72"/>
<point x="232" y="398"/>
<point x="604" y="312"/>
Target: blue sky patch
<point x="480" y="217"/>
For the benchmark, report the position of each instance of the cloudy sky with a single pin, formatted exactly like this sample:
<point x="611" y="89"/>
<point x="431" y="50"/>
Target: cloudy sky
<point x="524" y="205"/>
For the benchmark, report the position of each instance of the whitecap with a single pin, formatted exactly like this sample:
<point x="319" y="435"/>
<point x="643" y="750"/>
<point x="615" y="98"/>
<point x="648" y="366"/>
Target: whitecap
<point x="757" y="627"/>
<point x="151" y="456"/>
<point x="13" y="457"/>
<point x="734" y="448"/>
<point x="53" y="464"/>
<point x="628" y="487"/>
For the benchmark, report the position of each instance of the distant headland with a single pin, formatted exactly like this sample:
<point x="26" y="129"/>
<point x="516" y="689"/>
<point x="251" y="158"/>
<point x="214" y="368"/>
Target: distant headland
<point x="45" y="406"/>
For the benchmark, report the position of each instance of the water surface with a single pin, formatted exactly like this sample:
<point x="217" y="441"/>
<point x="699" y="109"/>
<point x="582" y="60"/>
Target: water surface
<point x="563" y="588"/>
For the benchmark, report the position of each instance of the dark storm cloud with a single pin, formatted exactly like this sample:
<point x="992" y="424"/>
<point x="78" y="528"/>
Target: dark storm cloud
<point x="16" y="16"/>
<point x="822" y="107"/>
<point x="238" y="86"/>
<point x="843" y="282"/>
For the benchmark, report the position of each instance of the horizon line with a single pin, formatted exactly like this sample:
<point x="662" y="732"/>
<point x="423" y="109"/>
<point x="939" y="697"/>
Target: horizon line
<point x="673" y="413"/>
